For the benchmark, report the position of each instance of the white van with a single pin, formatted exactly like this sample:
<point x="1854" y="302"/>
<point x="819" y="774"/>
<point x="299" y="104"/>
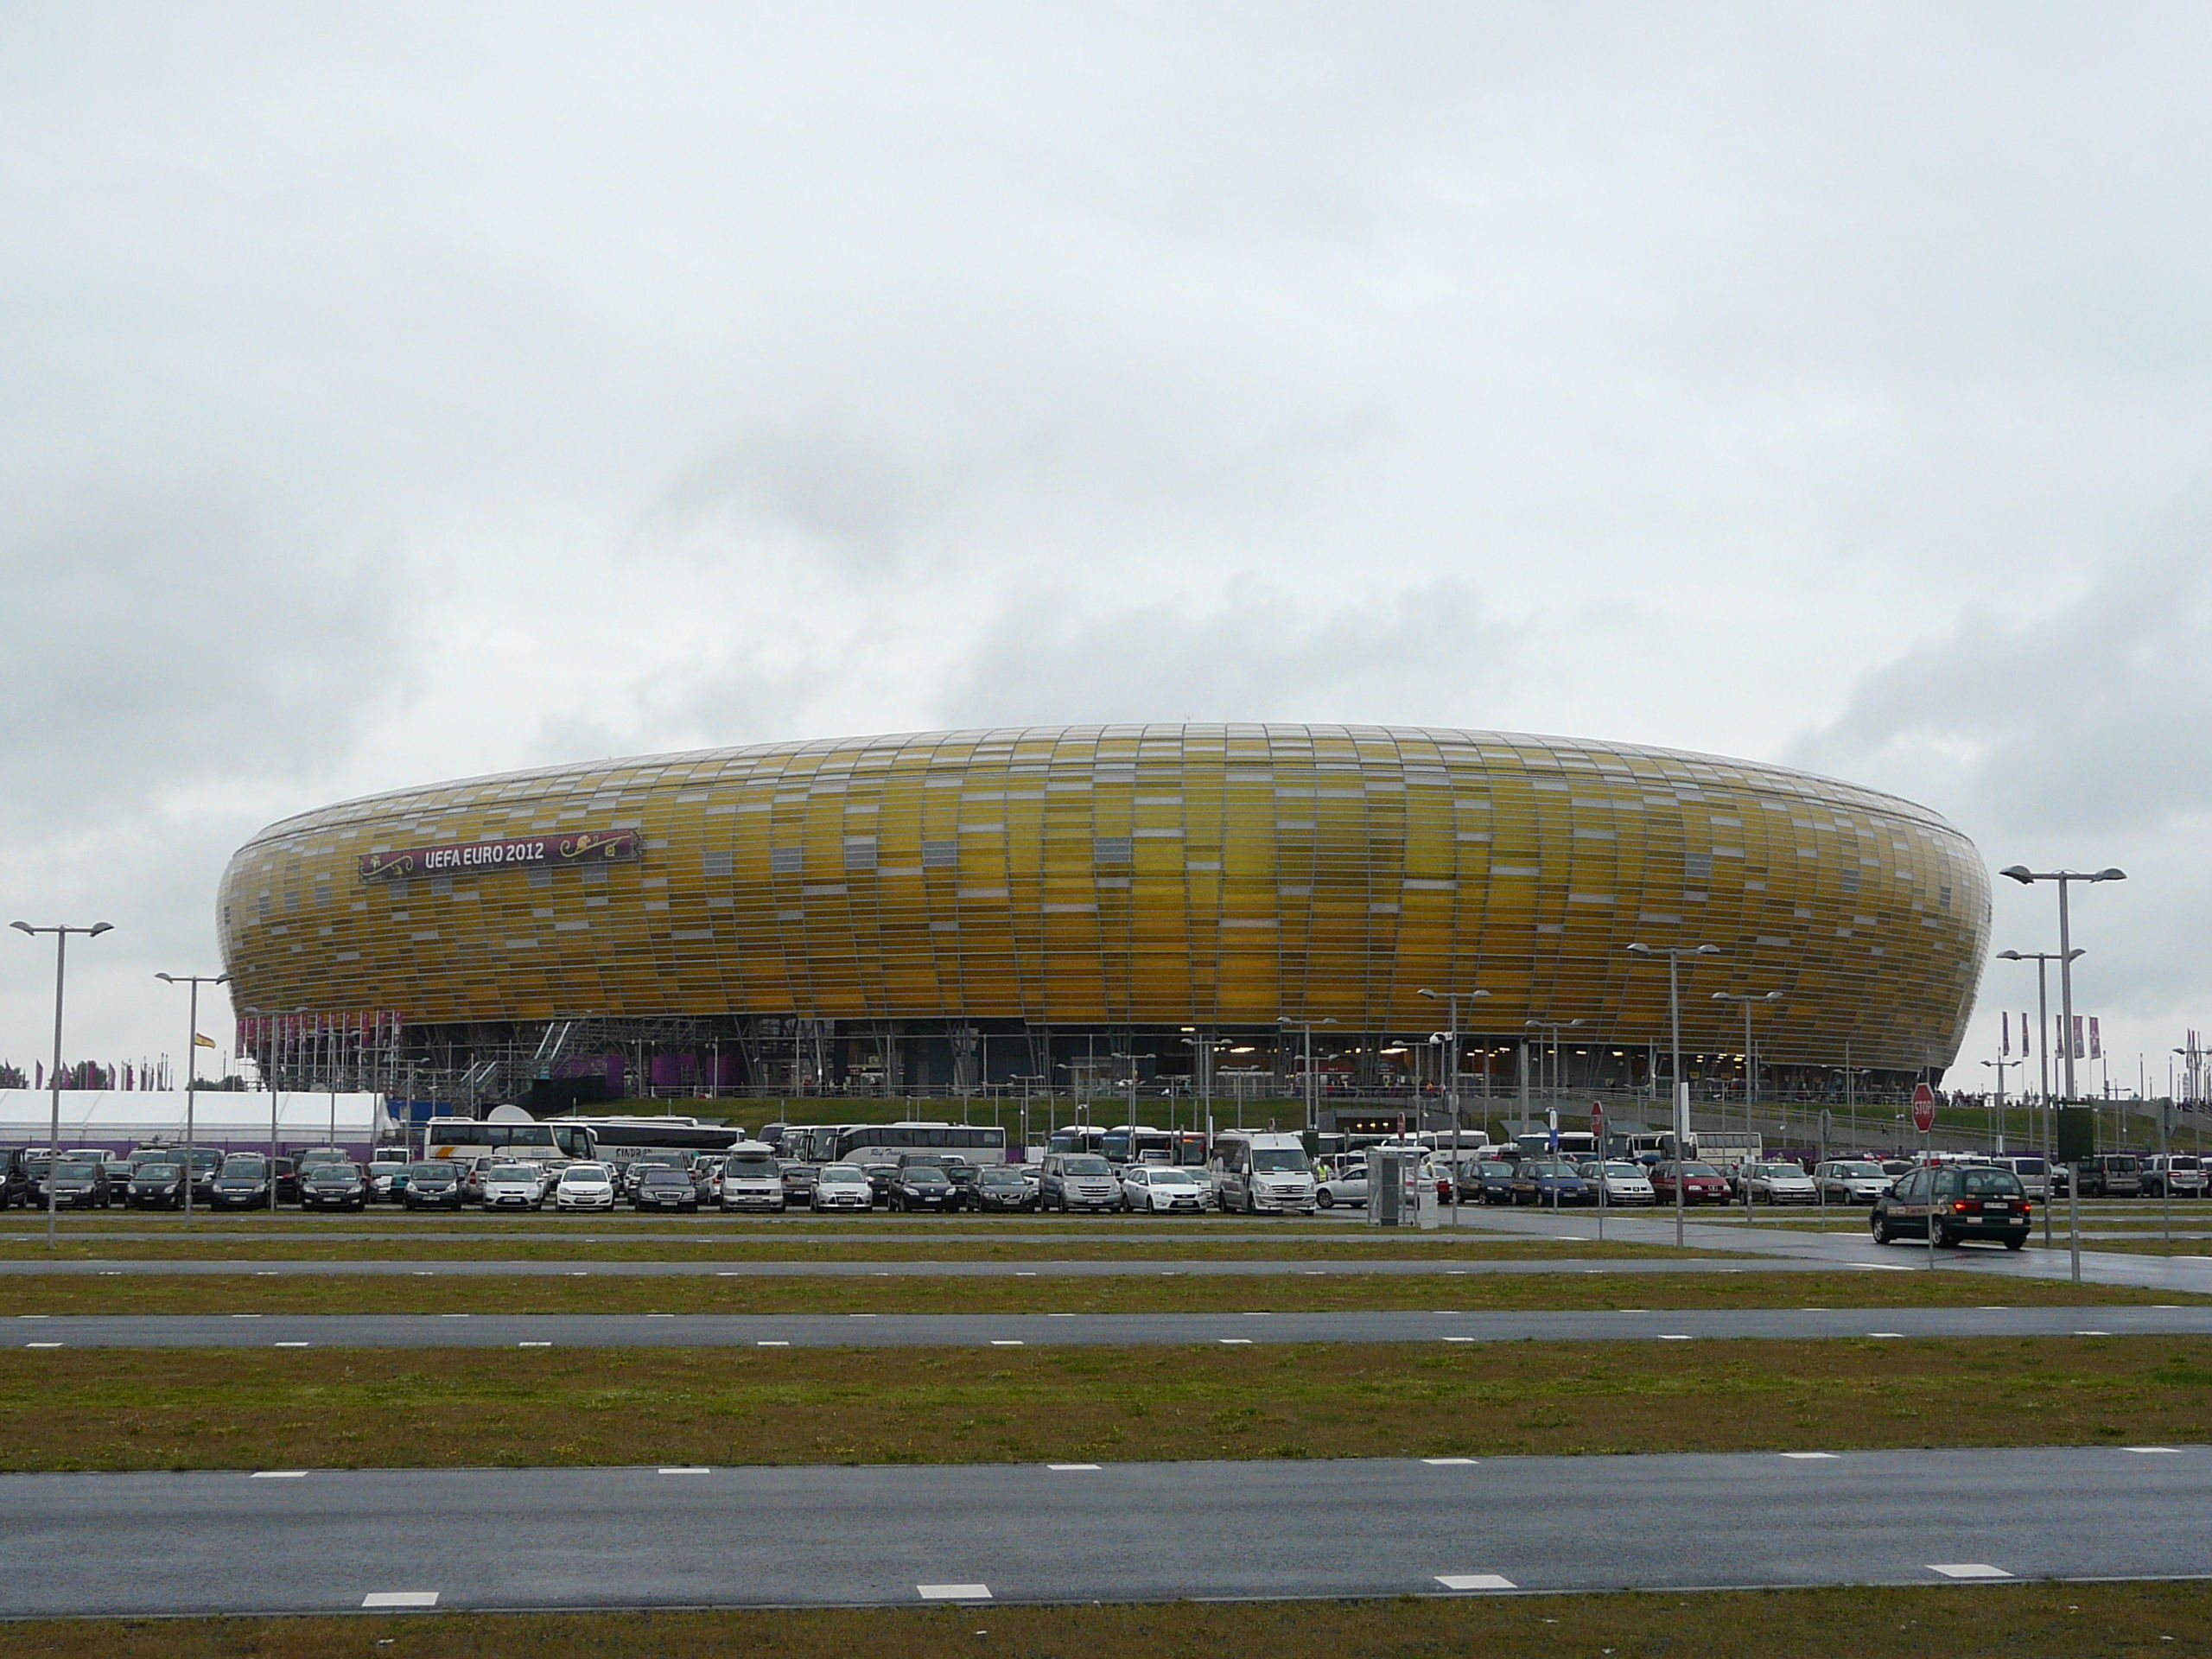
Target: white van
<point x="1261" y="1171"/>
<point x="752" y="1179"/>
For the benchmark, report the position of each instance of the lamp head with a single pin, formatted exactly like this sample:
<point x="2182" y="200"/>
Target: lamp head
<point x="1772" y="996"/>
<point x="1425" y="991"/>
<point x="2019" y="873"/>
<point x="2010" y="955"/>
<point x="1638" y="949"/>
<point x="99" y="928"/>
<point x="170" y="978"/>
<point x="2076" y="954"/>
<point x="1478" y="993"/>
<point x="22" y="927"/>
<point x="2109" y="874"/>
<point x="1708" y="950"/>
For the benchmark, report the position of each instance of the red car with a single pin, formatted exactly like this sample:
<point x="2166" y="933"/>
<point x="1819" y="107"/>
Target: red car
<point x="1701" y="1184"/>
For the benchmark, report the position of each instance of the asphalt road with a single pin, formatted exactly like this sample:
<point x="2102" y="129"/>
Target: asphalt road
<point x="1168" y="1266"/>
<point x="629" y="1538"/>
<point x="647" y="1329"/>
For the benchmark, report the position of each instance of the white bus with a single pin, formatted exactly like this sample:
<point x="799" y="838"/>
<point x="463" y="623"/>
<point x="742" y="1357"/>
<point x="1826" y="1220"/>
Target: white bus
<point x="465" y="1137"/>
<point x="882" y="1143"/>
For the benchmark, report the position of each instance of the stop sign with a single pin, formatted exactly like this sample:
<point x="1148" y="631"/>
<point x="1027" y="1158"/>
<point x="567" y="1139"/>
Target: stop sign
<point x="1924" y="1109"/>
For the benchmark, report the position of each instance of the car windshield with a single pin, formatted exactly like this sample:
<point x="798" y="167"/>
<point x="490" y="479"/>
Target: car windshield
<point x="581" y="1172"/>
<point x="1625" y="1171"/>
<point x="434" y="1171"/>
<point x="245" y="1168"/>
<point x="659" y="1175"/>
<point x="1547" y="1168"/>
<point x="1859" y="1172"/>
<point x="752" y="1168"/>
<point x="1280" y="1160"/>
<point x="1173" y="1178"/>
<point x="1086" y="1164"/>
<point x="332" y="1173"/>
<point x="1707" y="1170"/>
<point x="382" y="1166"/>
<point x="79" y="1167"/>
<point x="926" y="1175"/>
<point x="1786" y="1172"/>
<point x="1000" y="1175"/>
<point x="160" y="1172"/>
<point x="842" y="1175"/>
<point x="513" y="1172"/>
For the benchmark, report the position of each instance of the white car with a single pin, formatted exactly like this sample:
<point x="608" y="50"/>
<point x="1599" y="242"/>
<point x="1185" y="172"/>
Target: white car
<point x="1347" y="1184"/>
<point x="1779" y="1183"/>
<point x="1163" y="1187"/>
<point x="514" y="1186"/>
<point x="585" y="1186"/>
<point x="1625" y="1183"/>
<point x="1851" y="1180"/>
<point x="842" y="1186"/>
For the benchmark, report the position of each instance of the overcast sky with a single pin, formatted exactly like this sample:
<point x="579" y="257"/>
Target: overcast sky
<point x="390" y="393"/>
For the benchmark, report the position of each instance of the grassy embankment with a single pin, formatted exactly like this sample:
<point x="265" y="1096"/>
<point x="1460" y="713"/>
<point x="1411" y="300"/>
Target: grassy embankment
<point x="113" y="1410"/>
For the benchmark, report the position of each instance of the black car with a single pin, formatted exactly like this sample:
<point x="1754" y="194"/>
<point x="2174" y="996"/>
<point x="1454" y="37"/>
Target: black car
<point x="80" y="1184"/>
<point x="156" y="1184"/>
<point x="882" y="1177"/>
<point x="924" y="1186"/>
<point x="999" y="1186"/>
<point x="1973" y="1202"/>
<point x="333" y="1186"/>
<point x="434" y="1183"/>
<point x="656" y="1186"/>
<point x="1488" y="1180"/>
<point x="798" y="1182"/>
<point x="241" y="1184"/>
<point x="16" y="1184"/>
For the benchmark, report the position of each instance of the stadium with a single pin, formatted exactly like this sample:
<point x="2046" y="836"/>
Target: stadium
<point x="1086" y="908"/>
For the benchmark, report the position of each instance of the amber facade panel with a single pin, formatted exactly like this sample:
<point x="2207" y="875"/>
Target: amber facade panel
<point x="1144" y="876"/>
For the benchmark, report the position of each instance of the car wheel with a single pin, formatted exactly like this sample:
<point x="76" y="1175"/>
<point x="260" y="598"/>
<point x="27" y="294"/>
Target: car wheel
<point x="1881" y="1230"/>
<point x="2015" y="1243"/>
<point x="1325" y="1198"/>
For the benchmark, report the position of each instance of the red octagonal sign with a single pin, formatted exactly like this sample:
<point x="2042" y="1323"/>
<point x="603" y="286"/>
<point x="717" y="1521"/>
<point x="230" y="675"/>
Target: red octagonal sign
<point x="1924" y="1109"/>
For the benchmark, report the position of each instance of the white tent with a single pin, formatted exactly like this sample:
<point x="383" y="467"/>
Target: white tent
<point x="120" y="1119"/>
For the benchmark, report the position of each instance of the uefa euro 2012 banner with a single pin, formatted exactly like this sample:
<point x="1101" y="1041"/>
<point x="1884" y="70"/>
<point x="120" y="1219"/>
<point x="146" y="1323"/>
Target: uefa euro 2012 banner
<point x="570" y="847"/>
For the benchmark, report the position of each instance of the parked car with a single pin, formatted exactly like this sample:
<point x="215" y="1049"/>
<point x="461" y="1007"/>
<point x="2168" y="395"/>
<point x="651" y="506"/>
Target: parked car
<point x="1000" y="1186"/>
<point x="798" y="1180"/>
<point x="2035" y="1174"/>
<point x="1493" y="1180"/>
<point x="752" y="1179"/>
<point x="585" y="1186"/>
<point x="1624" y="1182"/>
<point x="16" y="1184"/>
<point x="474" y="1171"/>
<point x="1779" y="1181"/>
<point x="2177" y="1174"/>
<point x="334" y="1186"/>
<point x="1547" y="1181"/>
<point x="658" y="1186"/>
<point x="924" y="1186"/>
<point x="241" y="1183"/>
<point x="707" y="1180"/>
<point x="80" y="1183"/>
<point x="1850" y="1180"/>
<point x="1700" y="1183"/>
<point x="386" y="1180"/>
<point x="880" y="1179"/>
<point x="1164" y="1189"/>
<point x="2113" y="1175"/>
<point x="842" y="1186"/>
<point x="1076" y="1180"/>
<point x="157" y="1184"/>
<point x="514" y="1186"/>
<point x="1346" y="1184"/>
<point x="432" y="1184"/>
<point x="1965" y="1201"/>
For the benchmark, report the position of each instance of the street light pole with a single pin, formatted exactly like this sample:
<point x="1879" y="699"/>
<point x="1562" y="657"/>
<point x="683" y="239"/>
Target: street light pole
<point x="61" y="933"/>
<point x="191" y="1069"/>
<point x="1312" y="1104"/>
<point x="1452" y="1088"/>
<point x="1675" y="953"/>
<point x="1749" y="999"/>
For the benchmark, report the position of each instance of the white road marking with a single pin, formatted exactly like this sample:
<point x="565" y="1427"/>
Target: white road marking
<point x="1072" y="1468"/>
<point x="1233" y="1341"/>
<point x="245" y="1316"/>
<point x="2153" y="1451"/>
<point x="2092" y="1333"/>
<point x="42" y="1345"/>
<point x="400" y="1599"/>
<point x="291" y="1345"/>
<point x="1449" y="1463"/>
<point x="1261" y="1315"/>
<point x="772" y="1342"/>
<point x="533" y="1345"/>
<point x="688" y="1469"/>
<point x="1475" y="1581"/>
<point x="954" y="1592"/>
<point x="1458" y="1338"/>
<point x="1674" y="1336"/>
<point x="1005" y="1342"/>
<point x="453" y="1316"/>
<point x="1059" y="1316"/>
<point x="1025" y="1273"/>
<point x="860" y="1316"/>
<point x="660" y="1316"/>
<point x="1967" y="1570"/>
<point x="1808" y="1457"/>
<point x="278" y="1474"/>
<point x="1885" y="1333"/>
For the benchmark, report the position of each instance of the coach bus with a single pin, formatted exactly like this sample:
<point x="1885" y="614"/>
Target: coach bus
<point x="619" y="1140"/>
<point x="980" y="1143"/>
<point x="464" y="1137"/>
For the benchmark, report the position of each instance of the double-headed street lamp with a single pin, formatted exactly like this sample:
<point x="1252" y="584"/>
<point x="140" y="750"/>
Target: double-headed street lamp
<point x="1675" y="953"/>
<point x="1554" y="1027"/>
<point x="1313" y="1106"/>
<point x="2042" y="960"/>
<point x="2027" y="877"/>
<point x="191" y="1071"/>
<point x="62" y="933"/>
<point x="1452" y="1088"/>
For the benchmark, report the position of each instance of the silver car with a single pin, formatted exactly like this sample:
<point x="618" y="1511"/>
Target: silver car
<point x="1851" y="1180"/>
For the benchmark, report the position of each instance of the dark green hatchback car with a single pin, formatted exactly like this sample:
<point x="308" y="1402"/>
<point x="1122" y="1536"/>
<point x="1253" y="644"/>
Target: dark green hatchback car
<point x="1972" y="1201"/>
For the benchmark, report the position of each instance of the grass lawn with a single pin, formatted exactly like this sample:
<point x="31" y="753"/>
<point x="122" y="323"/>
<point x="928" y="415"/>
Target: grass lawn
<point x="1163" y="1292"/>
<point x="110" y="1409"/>
<point x="2052" y="1621"/>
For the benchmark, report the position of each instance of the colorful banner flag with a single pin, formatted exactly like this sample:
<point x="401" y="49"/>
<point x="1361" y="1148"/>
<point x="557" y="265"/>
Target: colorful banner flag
<point x="2024" y="1036"/>
<point x="200" y="1039"/>
<point x="2005" y="1046"/>
<point x="2096" y="1044"/>
<point x="2079" y="1052"/>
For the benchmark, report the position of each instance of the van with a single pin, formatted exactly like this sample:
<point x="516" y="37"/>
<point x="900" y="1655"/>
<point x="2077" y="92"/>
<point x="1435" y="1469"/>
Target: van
<point x="2113" y="1175"/>
<point x="2175" y="1174"/>
<point x="2034" y="1174"/>
<point x="753" y="1177"/>
<point x="1261" y="1172"/>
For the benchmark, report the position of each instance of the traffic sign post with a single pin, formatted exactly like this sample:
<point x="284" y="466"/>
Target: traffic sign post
<point x="1598" y="1133"/>
<point x="1924" y="1109"/>
<point x="1924" y="1119"/>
